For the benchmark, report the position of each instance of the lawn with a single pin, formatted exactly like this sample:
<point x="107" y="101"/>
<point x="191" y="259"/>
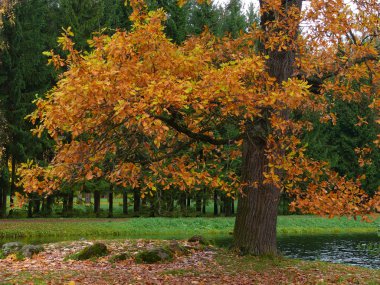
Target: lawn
<point x="172" y="227"/>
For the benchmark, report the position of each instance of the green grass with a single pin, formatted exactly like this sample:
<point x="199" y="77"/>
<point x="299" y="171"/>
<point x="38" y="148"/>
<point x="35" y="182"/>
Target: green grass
<point x="171" y="227"/>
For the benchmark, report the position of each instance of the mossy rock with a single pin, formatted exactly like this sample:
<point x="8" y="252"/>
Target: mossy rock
<point x="30" y="250"/>
<point x="176" y="248"/>
<point x="92" y="251"/>
<point x="154" y="255"/>
<point x="11" y="247"/>
<point x="119" y="257"/>
<point x="199" y="239"/>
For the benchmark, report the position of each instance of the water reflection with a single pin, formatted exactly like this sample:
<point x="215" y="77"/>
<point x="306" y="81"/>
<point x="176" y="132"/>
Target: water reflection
<point x="346" y="249"/>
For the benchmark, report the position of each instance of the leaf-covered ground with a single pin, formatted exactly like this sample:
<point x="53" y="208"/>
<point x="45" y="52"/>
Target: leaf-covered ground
<point x="204" y="265"/>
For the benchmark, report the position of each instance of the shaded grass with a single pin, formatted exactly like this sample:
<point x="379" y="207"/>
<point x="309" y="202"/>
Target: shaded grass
<point x="171" y="227"/>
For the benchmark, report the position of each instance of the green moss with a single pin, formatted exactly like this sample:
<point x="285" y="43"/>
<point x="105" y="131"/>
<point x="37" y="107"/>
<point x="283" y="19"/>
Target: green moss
<point x="92" y="251"/>
<point x="2" y="254"/>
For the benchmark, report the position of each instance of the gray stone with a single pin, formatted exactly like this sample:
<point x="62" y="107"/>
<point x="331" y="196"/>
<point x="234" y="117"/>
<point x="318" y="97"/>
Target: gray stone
<point x="11" y="247"/>
<point x="29" y="250"/>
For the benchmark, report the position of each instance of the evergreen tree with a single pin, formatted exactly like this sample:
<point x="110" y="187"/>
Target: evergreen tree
<point x="337" y="143"/>
<point x="23" y="74"/>
<point x="234" y="21"/>
<point x="205" y="15"/>
<point x="84" y="17"/>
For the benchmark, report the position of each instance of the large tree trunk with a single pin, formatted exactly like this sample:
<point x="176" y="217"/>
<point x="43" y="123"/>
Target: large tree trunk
<point x="255" y="225"/>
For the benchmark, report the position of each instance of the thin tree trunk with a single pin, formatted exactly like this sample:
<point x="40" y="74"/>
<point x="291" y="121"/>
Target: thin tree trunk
<point x="110" y="202"/>
<point x="30" y="208"/>
<point x="188" y="201"/>
<point x="233" y="206"/>
<point x="70" y="202"/>
<point x="97" y="203"/>
<point x="198" y="201"/>
<point x="125" y="202"/>
<point x="171" y="202"/>
<point x="65" y="204"/>
<point x="36" y="205"/>
<point x="182" y="201"/>
<point x="136" y="201"/>
<point x="49" y="202"/>
<point x="13" y="186"/>
<point x="204" y="201"/>
<point x="215" y="203"/>
<point x="227" y="206"/>
<point x="222" y="204"/>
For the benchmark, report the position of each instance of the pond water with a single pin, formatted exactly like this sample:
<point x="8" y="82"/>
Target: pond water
<point x="354" y="249"/>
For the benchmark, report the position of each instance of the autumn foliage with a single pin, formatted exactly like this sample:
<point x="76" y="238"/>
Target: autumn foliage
<point x="144" y="112"/>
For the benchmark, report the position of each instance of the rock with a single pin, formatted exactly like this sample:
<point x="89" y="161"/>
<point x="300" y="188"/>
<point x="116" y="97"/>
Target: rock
<point x="154" y="255"/>
<point x="176" y="248"/>
<point x="29" y="250"/>
<point x="11" y="247"/>
<point x="199" y="239"/>
<point x="119" y="257"/>
<point x="95" y="250"/>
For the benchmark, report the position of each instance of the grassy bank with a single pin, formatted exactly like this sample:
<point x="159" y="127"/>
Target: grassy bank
<point x="172" y="227"/>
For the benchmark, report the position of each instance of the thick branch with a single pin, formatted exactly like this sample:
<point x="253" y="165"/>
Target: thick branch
<point x="196" y="136"/>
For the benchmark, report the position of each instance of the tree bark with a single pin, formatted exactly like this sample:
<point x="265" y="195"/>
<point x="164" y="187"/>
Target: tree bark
<point x="227" y="206"/>
<point x="70" y="201"/>
<point x="182" y="201"/>
<point x="215" y="203"/>
<point x="256" y="220"/>
<point x="136" y="201"/>
<point x="125" y="202"/>
<point x="110" y="202"/>
<point x="204" y="201"/>
<point x="36" y="205"/>
<point x="97" y="203"/>
<point x="30" y="208"/>
<point x="198" y="201"/>
<point x="13" y="187"/>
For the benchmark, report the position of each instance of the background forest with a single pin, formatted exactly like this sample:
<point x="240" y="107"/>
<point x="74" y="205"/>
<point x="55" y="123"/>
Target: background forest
<point x="33" y="28"/>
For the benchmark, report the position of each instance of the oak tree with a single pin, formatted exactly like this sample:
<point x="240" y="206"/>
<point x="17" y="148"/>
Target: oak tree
<point x="150" y="102"/>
